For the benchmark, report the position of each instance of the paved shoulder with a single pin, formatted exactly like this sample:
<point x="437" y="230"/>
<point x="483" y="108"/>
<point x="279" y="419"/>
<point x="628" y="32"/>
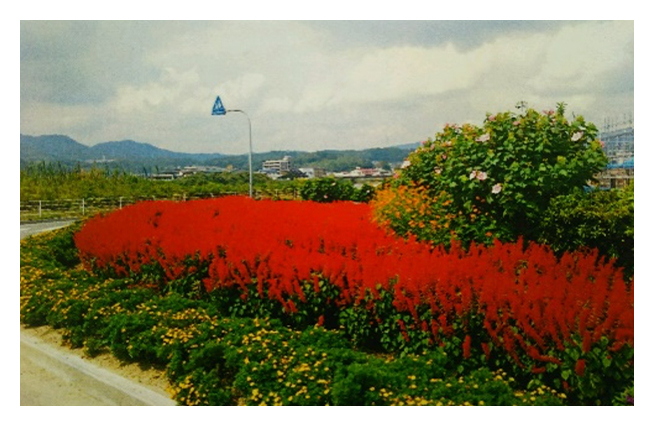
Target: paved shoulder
<point x="27" y="229"/>
<point x="50" y="376"/>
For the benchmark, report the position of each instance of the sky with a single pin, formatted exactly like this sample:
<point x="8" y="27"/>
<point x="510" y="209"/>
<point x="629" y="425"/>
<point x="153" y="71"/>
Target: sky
<point x="311" y="85"/>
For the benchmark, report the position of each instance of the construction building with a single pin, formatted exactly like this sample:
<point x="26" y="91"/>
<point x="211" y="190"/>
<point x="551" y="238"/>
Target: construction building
<point x="618" y="139"/>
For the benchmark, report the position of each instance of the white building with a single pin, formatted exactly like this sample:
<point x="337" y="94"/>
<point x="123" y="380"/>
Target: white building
<point x="277" y="166"/>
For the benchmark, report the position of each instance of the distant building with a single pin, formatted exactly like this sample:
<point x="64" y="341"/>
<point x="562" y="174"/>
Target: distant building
<point x="618" y="177"/>
<point x="618" y="140"/>
<point x="193" y="170"/>
<point x="163" y="176"/>
<point x="180" y="172"/>
<point x="362" y="173"/>
<point x="313" y="172"/>
<point x="277" y="166"/>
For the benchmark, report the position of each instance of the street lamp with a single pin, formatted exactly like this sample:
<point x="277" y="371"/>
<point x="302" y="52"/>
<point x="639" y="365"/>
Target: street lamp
<point x="219" y="109"/>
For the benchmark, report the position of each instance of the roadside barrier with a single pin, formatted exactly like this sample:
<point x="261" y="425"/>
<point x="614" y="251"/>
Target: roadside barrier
<point x="39" y="210"/>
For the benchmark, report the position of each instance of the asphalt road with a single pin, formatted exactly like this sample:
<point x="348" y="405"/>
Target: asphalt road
<point x="27" y="229"/>
<point x="54" y="376"/>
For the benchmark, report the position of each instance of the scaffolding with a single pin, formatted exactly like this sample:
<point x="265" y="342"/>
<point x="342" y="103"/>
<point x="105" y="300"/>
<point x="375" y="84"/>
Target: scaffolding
<point x="617" y="136"/>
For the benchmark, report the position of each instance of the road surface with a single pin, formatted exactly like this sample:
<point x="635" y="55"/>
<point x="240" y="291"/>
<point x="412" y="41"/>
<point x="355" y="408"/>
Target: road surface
<point x="53" y="375"/>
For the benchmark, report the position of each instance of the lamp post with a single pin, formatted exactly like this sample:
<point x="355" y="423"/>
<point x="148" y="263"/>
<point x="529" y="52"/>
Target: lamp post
<point x="219" y="109"/>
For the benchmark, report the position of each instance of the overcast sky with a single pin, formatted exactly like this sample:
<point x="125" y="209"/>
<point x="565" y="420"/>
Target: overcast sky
<point x="311" y="85"/>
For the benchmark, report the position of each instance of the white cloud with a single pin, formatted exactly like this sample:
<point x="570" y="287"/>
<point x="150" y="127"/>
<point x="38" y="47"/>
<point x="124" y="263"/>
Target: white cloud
<point x="402" y="72"/>
<point x="167" y="92"/>
<point x="240" y="89"/>
<point x="578" y="56"/>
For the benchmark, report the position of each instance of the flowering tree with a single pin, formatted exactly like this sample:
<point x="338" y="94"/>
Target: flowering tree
<point x="494" y="181"/>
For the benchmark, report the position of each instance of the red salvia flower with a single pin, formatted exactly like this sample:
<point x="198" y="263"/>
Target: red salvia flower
<point x="530" y="302"/>
<point x="466" y="346"/>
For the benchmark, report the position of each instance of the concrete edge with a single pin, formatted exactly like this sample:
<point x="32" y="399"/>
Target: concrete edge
<point x="128" y="387"/>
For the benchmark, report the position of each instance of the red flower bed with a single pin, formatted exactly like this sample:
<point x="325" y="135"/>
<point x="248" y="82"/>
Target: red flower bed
<point x="525" y="301"/>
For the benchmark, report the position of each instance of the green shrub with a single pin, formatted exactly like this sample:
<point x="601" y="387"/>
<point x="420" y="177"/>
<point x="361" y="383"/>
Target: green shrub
<point x="327" y="190"/>
<point x="597" y="219"/>
<point x="497" y="180"/>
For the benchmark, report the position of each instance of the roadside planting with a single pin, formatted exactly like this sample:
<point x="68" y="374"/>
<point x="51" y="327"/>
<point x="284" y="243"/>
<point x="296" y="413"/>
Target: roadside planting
<point x="565" y="322"/>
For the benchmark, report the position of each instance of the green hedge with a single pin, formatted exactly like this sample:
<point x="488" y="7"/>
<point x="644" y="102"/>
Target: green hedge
<point x="596" y="219"/>
<point x="327" y="190"/>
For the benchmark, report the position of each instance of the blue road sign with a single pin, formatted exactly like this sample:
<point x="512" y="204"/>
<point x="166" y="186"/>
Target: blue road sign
<point x="218" y="108"/>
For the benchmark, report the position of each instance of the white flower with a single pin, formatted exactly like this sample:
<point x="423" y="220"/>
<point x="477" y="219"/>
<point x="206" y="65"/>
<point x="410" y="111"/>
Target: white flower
<point x="406" y="164"/>
<point x="577" y="136"/>
<point x="482" y="175"/>
<point x="437" y="170"/>
<point x="473" y="174"/>
<point x="497" y="188"/>
<point x="483" y="138"/>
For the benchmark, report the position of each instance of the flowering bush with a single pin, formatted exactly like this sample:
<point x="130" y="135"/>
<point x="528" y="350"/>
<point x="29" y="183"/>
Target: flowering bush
<point x="308" y="263"/>
<point x="495" y="181"/>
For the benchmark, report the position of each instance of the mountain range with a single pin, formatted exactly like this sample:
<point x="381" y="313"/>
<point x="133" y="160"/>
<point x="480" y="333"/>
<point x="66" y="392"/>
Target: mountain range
<point x="132" y="155"/>
<point x="65" y="149"/>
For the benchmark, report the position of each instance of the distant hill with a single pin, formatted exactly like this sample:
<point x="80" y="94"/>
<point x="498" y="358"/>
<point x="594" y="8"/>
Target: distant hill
<point x="63" y="149"/>
<point x="136" y="156"/>
<point x="410" y="146"/>
<point x="129" y="149"/>
<point x="51" y="148"/>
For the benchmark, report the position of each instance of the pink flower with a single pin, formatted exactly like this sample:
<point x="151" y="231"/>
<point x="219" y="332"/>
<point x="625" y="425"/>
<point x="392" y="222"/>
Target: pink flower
<point x="497" y="188"/>
<point x="516" y="123"/>
<point x="577" y="136"/>
<point x="492" y="117"/>
<point x="444" y="157"/>
<point x="483" y="138"/>
<point x="478" y="175"/>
